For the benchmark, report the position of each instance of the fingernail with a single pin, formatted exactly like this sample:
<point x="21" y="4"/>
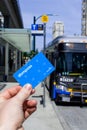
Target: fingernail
<point x="28" y="86"/>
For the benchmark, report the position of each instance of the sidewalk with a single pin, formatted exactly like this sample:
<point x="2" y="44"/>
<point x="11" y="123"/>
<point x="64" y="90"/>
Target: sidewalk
<point x="45" y="117"/>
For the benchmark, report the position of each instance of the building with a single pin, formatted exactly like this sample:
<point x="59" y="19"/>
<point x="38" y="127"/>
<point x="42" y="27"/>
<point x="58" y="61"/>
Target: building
<point x="14" y="40"/>
<point x="10" y="10"/>
<point x="84" y="18"/>
<point x="58" y="29"/>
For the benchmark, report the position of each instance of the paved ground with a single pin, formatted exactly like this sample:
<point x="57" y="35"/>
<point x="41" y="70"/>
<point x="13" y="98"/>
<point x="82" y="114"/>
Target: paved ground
<point x="44" y="118"/>
<point x="2" y="85"/>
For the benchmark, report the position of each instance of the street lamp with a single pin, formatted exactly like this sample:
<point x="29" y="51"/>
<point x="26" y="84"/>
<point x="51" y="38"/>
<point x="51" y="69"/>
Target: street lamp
<point x="35" y="19"/>
<point x="44" y="19"/>
<point x="34" y="22"/>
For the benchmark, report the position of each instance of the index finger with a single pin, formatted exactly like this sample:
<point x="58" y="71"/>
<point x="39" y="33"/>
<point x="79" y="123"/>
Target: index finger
<point x="9" y="93"/>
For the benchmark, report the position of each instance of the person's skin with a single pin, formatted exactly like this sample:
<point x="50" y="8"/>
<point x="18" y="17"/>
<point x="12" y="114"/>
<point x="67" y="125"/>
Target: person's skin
<point x="15" y="107"/>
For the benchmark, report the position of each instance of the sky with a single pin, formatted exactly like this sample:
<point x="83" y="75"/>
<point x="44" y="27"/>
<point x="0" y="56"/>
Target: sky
<point x="68" y="11"/>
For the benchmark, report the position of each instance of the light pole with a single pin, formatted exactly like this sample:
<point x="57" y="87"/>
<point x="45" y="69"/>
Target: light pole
<point x="34" y="22"/>
<point x="44" y="19"/>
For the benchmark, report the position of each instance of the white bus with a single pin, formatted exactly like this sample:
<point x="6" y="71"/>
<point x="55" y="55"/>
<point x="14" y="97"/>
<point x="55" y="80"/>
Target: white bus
<point x="68" y="82"/>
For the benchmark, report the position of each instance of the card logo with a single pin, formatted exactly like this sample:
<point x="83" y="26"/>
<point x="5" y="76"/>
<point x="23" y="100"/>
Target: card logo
<point x="23" y="72"/>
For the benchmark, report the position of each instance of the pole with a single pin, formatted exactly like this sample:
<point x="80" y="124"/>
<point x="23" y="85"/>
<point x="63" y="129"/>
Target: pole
<point x="34" y="22"/>
<point x="44" y="36"/>
<point x="44" y="52"/>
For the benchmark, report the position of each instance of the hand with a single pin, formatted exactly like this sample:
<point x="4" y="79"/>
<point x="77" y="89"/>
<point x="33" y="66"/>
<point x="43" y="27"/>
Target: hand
<point x="15" y="107"/>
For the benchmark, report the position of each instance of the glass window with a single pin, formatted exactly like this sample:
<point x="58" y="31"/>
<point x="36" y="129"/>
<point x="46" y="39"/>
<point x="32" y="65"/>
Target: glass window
<point x="69" y="62"/>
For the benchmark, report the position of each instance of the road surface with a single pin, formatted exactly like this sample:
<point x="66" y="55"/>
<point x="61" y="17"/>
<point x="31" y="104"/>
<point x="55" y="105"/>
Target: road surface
<point x="71" y="117"/>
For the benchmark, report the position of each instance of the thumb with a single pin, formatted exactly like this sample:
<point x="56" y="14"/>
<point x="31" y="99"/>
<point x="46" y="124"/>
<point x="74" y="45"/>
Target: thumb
<point x="24" y="93"/>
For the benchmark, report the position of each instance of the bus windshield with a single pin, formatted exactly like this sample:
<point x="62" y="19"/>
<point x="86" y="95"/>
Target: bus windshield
<point x="69" y="63"/>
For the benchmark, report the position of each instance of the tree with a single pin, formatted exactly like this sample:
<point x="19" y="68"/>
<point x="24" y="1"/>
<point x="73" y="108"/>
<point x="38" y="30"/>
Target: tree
<point x="32" y="54"/>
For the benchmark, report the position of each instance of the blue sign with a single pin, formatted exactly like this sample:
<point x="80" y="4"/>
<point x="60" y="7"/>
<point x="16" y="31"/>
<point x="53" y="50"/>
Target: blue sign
<point x="37" y="27"/>
<point x="40" y="26"/>
<point x="34" y="27"/>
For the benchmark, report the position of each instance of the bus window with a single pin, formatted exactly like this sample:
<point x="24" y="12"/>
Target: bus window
<point x="71" y="63"/>
<point x="80" y="62"/>
<point x="60" y="63"/>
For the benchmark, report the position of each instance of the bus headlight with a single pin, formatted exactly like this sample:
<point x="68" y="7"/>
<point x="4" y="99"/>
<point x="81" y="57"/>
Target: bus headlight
<point x="63" y="88"/>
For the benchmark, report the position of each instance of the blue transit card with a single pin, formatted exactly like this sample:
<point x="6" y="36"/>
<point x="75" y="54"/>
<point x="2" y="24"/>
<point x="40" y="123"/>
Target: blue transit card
<point x="34" y="71"/>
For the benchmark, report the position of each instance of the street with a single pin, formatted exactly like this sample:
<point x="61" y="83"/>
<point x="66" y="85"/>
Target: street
<point x="71" y="117"/>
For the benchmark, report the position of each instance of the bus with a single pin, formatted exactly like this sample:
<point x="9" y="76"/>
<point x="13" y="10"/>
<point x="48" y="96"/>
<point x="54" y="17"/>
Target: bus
<point x="68" y="83"/>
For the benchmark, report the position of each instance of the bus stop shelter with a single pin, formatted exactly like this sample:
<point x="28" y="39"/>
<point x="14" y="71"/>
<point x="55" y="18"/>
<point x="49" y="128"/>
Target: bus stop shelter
<point x="12" y="43"/>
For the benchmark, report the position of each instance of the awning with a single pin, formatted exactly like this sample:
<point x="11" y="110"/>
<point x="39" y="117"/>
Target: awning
<point x="19" y="38"/>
